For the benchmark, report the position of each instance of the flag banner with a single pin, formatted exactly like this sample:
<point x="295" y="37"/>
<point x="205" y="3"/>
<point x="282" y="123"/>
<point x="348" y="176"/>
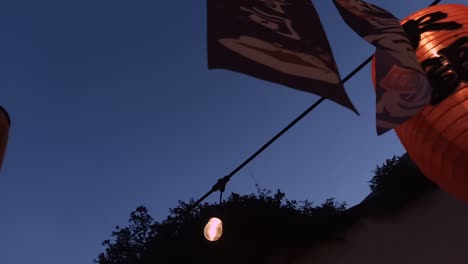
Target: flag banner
<point x="402" y="87"/>
<point x="380" y="28"/>
<point x="280" y="41"/>
<point x="401" y="93"/>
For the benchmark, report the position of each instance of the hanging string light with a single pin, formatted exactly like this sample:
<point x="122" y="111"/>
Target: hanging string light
<point x="214" y="228"/>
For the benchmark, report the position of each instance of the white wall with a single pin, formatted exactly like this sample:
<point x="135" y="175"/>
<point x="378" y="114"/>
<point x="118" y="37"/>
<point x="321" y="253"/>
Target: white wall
<point x="431" y="230"/>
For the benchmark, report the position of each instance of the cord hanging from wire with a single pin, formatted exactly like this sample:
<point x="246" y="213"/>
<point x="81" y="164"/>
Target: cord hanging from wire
<point x="221" y="183"/>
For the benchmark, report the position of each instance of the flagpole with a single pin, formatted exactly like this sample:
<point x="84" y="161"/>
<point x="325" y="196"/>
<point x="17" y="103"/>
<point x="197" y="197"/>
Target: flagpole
<point x="223" y="181"/>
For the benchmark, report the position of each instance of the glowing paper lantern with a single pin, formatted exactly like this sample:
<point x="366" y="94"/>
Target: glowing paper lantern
<point x="436" y="138"/>
<point x="4" y="129"/>
<point x="213" y="229"/>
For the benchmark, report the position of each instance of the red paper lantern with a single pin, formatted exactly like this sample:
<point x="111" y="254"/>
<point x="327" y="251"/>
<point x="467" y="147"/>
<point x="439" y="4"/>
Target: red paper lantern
<point x="436" y="139"/>
<point x="4" y="129"/>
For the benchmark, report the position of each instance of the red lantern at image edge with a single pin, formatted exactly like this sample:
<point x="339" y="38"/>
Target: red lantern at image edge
<point x="436" y="139"/>
<point x="4" y="129"/>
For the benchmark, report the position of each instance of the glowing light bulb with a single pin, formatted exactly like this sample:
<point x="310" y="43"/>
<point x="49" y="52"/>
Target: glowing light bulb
<point x="213" y="229"/>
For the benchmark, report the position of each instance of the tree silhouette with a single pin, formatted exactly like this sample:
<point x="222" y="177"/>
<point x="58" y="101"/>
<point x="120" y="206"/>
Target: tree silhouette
<point x="130" y="242"/>
<point x="256" y="226"/>
<point x="399" y="173"/>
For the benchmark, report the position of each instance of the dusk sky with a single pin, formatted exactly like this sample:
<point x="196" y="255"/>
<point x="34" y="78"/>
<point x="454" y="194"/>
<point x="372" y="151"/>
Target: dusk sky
<point x="112" y="107"/>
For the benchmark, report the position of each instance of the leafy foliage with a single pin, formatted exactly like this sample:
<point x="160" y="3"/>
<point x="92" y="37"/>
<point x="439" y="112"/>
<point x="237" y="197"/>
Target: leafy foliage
<point x="400" y="173"/>
<point x="130" y="242"/>
<point x="395" y="185"/>
<point x="255" y="225"/>
<point x="382" y="173"/>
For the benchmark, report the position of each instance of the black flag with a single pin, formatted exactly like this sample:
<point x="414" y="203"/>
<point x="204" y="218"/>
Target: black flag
<point x="280" y="41"/>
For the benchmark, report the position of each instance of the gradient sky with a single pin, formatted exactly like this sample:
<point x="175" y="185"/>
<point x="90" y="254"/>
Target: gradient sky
<point x="112" y="107"/>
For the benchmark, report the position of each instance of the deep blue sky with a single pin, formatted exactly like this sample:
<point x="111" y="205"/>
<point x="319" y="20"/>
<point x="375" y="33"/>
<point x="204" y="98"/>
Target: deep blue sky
<point x="112" y="106"/>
